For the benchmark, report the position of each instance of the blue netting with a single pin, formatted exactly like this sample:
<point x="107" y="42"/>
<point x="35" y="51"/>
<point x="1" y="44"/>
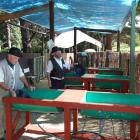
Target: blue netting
<point x="93" y="14"/>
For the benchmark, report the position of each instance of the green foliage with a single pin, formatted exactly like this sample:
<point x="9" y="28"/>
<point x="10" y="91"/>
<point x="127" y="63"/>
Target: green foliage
<point x="125" y="45"/>
<point x="36" y="44"/>
<point x="16" y="37"/>
<point x="137" y="39"/>
<point x="1" y="36"/>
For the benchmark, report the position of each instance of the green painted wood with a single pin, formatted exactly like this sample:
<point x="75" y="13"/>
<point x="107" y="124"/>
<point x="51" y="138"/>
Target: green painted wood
<point x="110" y="98"/>
<point x="40" y="94"/>
<point x="110" y="85"/>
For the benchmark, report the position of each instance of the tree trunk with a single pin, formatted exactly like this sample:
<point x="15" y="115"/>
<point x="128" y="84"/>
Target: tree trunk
<point x="7" y="36"/>
<point x="25" y="37"/>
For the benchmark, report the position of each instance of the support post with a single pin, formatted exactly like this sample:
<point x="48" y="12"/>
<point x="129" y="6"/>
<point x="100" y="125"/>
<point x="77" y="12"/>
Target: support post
<point x="118" y="42"/>
<point x="132" y="51"/>
<point x="51" y="11"/>
<point x="75" y="45"/>
<point x="108" y="45"/>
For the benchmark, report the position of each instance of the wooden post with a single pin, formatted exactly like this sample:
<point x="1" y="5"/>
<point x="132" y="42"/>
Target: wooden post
<point x="108" y="45"/>
<point x="51" y="11"/>
<point x="118" y="42"/>
<point x="75" y="46"/>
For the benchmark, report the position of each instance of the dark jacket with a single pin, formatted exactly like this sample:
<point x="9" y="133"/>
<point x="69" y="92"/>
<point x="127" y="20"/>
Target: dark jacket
<point x="57" y="70"/>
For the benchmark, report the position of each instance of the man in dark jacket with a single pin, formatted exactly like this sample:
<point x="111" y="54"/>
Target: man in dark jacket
<point x="55" y="69"/>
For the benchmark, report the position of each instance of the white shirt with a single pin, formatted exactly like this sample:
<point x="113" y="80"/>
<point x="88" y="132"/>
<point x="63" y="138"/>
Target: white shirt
<point x="13" y="74"/>
<point x="59" y="61"/>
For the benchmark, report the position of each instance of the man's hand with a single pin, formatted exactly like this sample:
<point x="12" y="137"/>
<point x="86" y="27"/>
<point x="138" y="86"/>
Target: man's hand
<point x="27" y="85"/>
<point x="12" y="92"/>
<point x="31" y="87"/>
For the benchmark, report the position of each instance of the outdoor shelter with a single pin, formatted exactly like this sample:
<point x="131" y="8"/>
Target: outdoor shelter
<point x="66" y="39"/>
<point x="95" y="15"/>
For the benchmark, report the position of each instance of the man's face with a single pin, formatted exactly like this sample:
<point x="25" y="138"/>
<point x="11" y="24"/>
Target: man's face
<point x="13" y="59"/>
<point x="58" y="54"/>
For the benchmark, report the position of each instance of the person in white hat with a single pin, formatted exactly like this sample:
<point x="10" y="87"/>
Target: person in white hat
<point x="11" y="79"/>
<point x="55" y="69"/>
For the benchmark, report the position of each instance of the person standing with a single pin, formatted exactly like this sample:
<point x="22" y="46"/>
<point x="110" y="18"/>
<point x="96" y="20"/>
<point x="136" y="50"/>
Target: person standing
<point x="55" y="69"/>
<point x="11" y="79"/>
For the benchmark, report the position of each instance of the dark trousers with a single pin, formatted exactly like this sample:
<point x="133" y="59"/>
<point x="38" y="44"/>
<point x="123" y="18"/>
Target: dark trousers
<point x="57" y="84"/>
<point x="21" y="93"/>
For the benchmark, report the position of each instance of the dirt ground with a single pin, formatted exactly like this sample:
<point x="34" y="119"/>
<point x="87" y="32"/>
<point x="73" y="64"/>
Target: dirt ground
<point x="55" y="121"/>
<point x="49" y="120"/>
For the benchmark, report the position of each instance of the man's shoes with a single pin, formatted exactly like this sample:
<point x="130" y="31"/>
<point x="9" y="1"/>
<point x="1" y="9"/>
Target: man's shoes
<point x="2" y="139"/>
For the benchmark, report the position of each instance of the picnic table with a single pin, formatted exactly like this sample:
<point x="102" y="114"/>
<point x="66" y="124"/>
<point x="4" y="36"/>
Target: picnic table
<point x="106" y="70"/>
<point x="126" y="106"/>
<point x="103" y="82"/>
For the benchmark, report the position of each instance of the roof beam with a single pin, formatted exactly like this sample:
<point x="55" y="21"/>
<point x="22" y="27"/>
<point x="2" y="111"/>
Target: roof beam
<point x="40" y="32"/>
<point x="97" y="30"/>
<point x="21" y="13"/>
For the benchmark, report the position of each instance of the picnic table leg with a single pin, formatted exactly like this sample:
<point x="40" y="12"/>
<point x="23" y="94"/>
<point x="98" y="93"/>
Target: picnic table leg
<point x="75" y="120"/>
<point x="86" y="85"/>
<point x="125" y="88"/>
<point x="9" y="128"/>
<point x="139" y="130"/>
<point x="132" y="130"/>
<point x="15" y="122"/>
<point x="67" y="126"/>
<point x="28" y="117"/>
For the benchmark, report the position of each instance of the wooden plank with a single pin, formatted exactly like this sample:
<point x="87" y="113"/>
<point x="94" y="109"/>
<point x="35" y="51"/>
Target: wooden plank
<point x="72" y="96"/>
<point x="21" y="13"/>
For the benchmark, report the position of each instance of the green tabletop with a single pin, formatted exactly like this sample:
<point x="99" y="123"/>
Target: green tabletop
<point x="72" y="83"/>
<point x="111" y="98"/>
<point x="119" y="69"/>
<point x="111" y="71"/>
<point x="104" y="76"/>
<point x="110" y="85"/>
<point x="40" y="94"/>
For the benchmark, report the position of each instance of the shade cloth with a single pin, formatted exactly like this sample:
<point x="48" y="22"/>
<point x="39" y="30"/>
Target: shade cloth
<point x="66" y="39"/>
<point x="93" y="14"/>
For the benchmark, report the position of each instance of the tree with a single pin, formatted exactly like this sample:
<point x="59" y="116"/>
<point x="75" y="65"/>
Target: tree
<point x="25" y="34"/>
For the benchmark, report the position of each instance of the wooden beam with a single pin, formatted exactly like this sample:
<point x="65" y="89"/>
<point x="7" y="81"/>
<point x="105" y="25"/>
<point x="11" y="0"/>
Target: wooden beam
<point x="21" y="13"/>
<point x="75" y="45"/>
<point x="51" y="14"/>
<point x="97" y="30"/>
<point x="40" y="32"/>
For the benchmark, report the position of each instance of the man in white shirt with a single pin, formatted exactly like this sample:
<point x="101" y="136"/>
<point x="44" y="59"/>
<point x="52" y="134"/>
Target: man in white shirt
<point x="55" y="69"/>
<point x="11" y="79"/>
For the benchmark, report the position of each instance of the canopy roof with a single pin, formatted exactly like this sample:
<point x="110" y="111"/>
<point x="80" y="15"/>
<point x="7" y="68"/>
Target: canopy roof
<point x="92" y="14"/>
<point x="66" y="39"/>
